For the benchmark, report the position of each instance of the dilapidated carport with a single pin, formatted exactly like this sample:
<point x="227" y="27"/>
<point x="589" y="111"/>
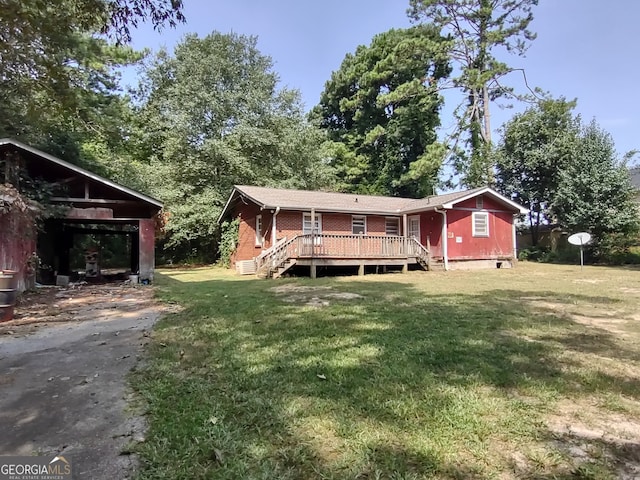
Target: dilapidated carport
<point x="88" y="203"/>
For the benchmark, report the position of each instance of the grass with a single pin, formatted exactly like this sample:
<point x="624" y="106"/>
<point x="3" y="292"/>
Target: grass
<point x="525" y="373"/>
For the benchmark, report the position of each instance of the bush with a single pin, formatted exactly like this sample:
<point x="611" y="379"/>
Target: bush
<point x="617" y="249"/>
<point x="533" y="254"/>
<point x="228" y="240"/>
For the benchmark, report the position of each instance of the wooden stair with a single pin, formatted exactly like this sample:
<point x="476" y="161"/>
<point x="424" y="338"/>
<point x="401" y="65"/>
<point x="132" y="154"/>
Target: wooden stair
<point x="286" y="265"/>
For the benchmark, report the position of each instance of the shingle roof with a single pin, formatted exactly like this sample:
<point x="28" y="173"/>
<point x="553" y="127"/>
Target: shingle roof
<point x="353" y="203"/>
<point x="436" y="201"/>
<point x="328" y="201"/>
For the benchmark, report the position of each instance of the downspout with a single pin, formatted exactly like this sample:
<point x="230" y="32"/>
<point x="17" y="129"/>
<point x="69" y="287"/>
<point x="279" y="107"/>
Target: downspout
<point x="445" y="241"/>
<point x="404" y="232"/>
<point x="274" y="226"/>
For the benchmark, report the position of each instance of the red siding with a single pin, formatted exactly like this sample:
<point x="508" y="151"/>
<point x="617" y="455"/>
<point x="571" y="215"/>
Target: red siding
<point x="499" y="243"/>
<point x="431" y="227"/>
<point x="488" y="203"/>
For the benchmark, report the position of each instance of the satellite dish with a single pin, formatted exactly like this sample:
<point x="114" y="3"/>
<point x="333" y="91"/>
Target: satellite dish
<point x="580" y="239"/>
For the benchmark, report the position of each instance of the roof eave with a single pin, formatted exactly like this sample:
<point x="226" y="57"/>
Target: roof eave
<point x="81" y="171"/>
<point x="502" y="198"/>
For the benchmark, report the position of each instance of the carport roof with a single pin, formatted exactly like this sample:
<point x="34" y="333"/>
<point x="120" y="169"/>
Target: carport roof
<point x="7" y="143"/>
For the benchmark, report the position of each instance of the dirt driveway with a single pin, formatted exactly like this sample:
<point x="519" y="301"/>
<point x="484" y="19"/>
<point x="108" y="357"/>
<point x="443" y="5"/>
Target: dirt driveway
<point x="63" y="367"/>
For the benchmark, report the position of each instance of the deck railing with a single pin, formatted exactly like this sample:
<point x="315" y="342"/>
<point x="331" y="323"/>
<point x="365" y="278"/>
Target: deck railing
<point x="341" y="246"/>
<point x="352" y="246"/>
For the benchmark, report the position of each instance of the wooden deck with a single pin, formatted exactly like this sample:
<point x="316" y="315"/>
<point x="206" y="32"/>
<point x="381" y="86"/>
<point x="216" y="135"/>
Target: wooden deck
<point x="315" y="250"/>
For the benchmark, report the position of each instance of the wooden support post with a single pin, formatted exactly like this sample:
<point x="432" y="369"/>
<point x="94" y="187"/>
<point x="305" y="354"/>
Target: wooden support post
<point x="405" y="267"/>
<point x="313" y="270"/>
<point x="146" y="250"/>
<point x="361" y="269"/>
<point x="135" y="252"/>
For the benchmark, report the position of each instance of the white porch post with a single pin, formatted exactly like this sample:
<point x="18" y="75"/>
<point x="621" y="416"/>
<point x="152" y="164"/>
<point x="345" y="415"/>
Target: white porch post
<point x="445" y="240"/>
<point x="274" y="227"/>
<point x="312" y="267"/>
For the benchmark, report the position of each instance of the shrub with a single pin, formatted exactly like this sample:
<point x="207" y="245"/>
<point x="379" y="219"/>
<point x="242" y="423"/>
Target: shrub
<point x="228" y="240"/>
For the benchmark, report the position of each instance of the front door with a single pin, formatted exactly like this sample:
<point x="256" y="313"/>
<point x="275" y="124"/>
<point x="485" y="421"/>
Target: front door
<point x="414" y="227"/>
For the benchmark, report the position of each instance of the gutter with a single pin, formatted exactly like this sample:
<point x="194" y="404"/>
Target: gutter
<point x="445" y="241"/>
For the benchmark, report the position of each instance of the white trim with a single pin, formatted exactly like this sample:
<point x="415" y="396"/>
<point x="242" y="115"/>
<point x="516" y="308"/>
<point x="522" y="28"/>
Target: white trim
<point x="492" y="210"/>
<point x="475" y="215"/>
<point x="274" y="226"/>
<point x="397" y="220"/>
<point x="444" y="240"/>
<point x="409" y="219"/>
<point x="81" y="171"/>
<point x="318" y="216"/>
<point x="490" y="191"/>
<point x="364" y="219"/>
<point x="259" y="235"/>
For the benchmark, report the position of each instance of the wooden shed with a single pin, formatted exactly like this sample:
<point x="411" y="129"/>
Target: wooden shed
<point x="87" y="203"/>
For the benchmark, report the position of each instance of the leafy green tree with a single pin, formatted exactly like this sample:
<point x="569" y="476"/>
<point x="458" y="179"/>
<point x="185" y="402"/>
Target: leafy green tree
<point x="58" y="80"/>
<point x="594" y="191"/>
<point x="381" y="108"/>
<point x="476" y="29"/>
<point x="536" y="145"/>
<point x="211" y="116"/>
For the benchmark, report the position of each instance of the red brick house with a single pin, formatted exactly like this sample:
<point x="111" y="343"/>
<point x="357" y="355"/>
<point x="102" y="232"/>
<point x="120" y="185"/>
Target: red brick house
<point x="473" y="228"/>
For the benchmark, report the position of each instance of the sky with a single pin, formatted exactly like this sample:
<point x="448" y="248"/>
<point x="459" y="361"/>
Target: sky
<point x="585" y="49"/>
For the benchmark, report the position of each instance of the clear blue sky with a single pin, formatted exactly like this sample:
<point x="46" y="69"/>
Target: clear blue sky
<point x="586" y="49"/>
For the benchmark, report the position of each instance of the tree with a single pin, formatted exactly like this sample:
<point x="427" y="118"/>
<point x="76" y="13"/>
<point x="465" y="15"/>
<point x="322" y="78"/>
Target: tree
<point x="536" y="146"/>
<point x="476" y="29"/>
<point x="211" y="116"/>
<point x="58" y="74"/>
<point x="381" y="110"/>
<point x="594" y="191"/>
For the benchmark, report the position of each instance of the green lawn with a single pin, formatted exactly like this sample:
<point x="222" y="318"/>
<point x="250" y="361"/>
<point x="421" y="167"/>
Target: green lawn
<point x="532" y="372"/>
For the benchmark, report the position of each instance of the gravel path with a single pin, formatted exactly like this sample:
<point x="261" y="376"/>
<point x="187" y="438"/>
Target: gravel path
<point x="63" y="371"/>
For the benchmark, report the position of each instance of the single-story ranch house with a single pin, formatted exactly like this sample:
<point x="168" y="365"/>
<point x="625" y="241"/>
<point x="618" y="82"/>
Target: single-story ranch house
<point x="283" y="228"/>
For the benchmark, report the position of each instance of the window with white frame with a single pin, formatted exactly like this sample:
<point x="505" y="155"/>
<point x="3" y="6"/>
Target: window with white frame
<point x="307" y="227"/>
<point x="259" y="236"/>
<point x="392" y="226"/>
<point x="479" y="202"/>
<point x="480" y="224"/>
<point x="358" y="225"/>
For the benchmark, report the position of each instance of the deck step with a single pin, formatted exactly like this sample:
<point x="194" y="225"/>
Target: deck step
<point x="284" y="267"/>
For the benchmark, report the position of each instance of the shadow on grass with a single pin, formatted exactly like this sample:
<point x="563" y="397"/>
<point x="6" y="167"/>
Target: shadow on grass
<point x="247" y="383"/>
